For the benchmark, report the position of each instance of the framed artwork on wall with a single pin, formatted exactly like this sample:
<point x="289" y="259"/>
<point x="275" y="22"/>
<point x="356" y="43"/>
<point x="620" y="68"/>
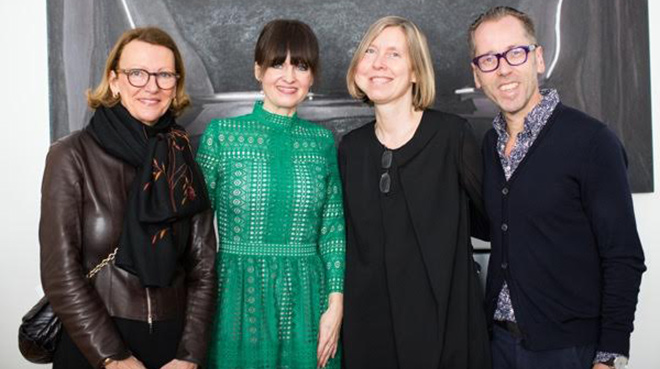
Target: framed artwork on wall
<point x="596" y="53"/>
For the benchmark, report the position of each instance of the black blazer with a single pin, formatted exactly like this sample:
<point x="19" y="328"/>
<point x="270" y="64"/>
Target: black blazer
<point x="440" y="175"/>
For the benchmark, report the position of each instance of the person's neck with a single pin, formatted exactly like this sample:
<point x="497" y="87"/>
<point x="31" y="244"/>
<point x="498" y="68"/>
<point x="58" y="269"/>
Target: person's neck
<point x="274" y="109"/>
<point x="515" y="122"/>
<point x="396" y="124"/>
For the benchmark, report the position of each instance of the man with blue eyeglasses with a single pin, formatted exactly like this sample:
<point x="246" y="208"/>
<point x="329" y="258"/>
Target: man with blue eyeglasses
<point x="566" y="260"/>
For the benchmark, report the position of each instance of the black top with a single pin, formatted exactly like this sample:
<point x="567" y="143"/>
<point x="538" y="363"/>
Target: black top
<point x="564" y="236"/>
<point x="411" y="293"/>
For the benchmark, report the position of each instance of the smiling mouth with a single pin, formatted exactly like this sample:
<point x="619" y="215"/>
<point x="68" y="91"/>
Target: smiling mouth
<point x="287" y="90"/>
<point x="509" y="86"/>
<point x="380" y="80"/>
<point x="149" y="101"/>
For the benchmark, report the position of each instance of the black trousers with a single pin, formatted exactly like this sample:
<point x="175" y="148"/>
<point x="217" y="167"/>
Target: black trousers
<point x="154" y="349"/>
<point x="508" y="353"/>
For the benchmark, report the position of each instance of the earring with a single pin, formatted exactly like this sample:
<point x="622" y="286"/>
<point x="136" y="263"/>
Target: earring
<point x="310" y="95"/>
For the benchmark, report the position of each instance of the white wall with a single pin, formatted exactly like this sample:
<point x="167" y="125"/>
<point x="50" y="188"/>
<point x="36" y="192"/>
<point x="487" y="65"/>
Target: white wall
<point x="645" y="345"/>
<point x="24" y="142"/>
<point x="24" y="132"/>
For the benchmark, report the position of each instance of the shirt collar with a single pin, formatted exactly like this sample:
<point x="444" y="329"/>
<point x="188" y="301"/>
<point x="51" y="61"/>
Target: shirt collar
<point x="536" y="118"/>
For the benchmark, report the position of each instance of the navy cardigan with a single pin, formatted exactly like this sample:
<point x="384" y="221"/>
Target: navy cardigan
<point x="563" y="236"/>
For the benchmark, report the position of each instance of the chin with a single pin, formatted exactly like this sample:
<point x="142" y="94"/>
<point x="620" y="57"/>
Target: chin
<point x="288" y="104"/>
<point x="376" y="98"/>
<point x="383" y="100"/>
<point x="149" y="119"/>
<point x="510" y="107"/>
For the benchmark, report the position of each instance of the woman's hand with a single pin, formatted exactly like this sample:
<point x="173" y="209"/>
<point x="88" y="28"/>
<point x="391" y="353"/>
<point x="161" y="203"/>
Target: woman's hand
<point x="329" y="327"/>
<point x="130" y="363"/>
<point x="179" y="364"/>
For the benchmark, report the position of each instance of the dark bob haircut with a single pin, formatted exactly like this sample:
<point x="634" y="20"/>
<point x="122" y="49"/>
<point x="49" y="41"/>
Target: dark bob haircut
<point x="287" y="36"/>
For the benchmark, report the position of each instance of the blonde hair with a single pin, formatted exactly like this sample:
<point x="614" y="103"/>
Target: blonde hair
<point x="420" y="60"/>
<point x="102" y="95"/>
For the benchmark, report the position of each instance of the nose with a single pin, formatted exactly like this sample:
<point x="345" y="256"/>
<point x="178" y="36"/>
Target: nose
<point x="379" y="61"/>
<point x="151" y="85"/>
<point x="289" y="73"/>
<point x="504" y="68"/>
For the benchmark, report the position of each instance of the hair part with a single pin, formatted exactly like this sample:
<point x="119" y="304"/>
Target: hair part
<point x="497" y="13"/>
<point x="282" y="37"/>
<point x="420" y="60"/>
<point x="102" y="94"/>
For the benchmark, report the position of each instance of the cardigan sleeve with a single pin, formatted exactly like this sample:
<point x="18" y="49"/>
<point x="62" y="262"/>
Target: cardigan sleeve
<point x="471" y="173"/>
<point x="608" y="202"/>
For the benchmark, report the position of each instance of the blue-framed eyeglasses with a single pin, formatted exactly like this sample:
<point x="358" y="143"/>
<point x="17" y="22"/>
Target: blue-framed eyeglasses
<point x="514" y="56"/>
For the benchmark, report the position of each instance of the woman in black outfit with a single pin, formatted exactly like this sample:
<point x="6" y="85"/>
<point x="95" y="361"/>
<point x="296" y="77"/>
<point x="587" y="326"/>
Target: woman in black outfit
<point x="412" y="191"/>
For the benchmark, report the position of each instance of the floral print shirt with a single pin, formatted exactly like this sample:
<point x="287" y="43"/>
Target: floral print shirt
<point x="534" y="123"/>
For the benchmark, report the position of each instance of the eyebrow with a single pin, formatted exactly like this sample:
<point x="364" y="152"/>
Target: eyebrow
<point x="491" y="52"/>
<point x="388" y="48"/>
<point x="164" y="69"/>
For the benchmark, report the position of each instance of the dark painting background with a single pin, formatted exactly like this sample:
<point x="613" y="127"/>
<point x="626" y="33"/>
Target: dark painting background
<point x="596" y="51"/>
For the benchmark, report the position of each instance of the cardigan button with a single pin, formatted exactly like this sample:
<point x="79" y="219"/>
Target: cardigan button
<point x="505" y="191"/>
<point x="504" y="265"/>
<point x="504" y="227"/>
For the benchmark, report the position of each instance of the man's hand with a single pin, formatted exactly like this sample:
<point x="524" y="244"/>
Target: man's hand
<point x="601" y="366"/>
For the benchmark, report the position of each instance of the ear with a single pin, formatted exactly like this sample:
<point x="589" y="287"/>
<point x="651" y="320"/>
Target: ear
<point x="257" y="72"/>
<point x="113" y="80"/>
<point x="475" y="75"/>
<point x="540" y="63"/>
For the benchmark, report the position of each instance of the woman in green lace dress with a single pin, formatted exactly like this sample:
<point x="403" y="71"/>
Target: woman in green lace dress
<point x="274" y="185"/>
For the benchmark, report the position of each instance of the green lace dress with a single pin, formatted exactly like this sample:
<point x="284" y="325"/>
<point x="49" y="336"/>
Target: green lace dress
<point x="274" y="185"/>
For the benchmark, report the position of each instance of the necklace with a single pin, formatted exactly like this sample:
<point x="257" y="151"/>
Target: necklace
<point x="395" y="142"/>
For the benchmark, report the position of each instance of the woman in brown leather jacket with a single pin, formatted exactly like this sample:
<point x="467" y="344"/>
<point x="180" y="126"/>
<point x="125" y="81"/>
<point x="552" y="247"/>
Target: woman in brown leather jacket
<point x="129" y="181"/>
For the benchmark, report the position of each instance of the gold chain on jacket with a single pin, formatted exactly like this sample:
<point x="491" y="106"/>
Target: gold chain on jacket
<point x="103" y="263"/>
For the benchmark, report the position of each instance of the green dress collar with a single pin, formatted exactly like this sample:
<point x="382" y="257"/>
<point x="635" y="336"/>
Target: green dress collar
<point x="272" y="119"/>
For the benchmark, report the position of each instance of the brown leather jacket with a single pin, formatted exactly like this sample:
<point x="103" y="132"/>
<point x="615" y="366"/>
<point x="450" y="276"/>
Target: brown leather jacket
<point x="84" y="194"/>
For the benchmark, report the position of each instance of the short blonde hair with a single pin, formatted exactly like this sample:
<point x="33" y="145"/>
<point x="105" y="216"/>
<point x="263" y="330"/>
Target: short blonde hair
<point x="495" y="14"/>
<point x="420" y="60"/>
<point x="102" y="95"/>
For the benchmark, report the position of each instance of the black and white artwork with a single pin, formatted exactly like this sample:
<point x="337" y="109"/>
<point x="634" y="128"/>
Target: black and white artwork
<point x="596" y="53"/>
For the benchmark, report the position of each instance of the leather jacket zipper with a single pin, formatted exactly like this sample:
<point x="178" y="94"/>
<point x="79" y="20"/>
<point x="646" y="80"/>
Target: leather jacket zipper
<point x="149" y="316"/>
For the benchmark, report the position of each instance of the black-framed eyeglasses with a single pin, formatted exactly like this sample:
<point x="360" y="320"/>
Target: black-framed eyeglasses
<point x="385" y="179"/>
<point x="514" y="56"/>
<point x="140" y="77"/>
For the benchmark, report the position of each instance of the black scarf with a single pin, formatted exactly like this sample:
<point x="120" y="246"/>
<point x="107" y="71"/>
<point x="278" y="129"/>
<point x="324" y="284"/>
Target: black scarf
<point x="168" y="189"/>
